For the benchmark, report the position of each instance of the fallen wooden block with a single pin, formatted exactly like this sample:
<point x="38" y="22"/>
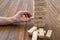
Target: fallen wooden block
<point x="49" y="33"/>
<point x="35" y="35"/>
<point x="41" y="33"/>
<point x="44" y="31"/>
<point x="32" y="30"/>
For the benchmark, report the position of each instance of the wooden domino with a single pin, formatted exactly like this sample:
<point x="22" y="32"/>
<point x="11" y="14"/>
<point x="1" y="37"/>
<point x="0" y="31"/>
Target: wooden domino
<point x="49" y="33"/>
<point x="35" y="35"/>
<point x="32" y="30"/>
<point x="41" y="33"/>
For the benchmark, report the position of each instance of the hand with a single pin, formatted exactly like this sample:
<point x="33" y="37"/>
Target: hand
<point x="22" y="16"/>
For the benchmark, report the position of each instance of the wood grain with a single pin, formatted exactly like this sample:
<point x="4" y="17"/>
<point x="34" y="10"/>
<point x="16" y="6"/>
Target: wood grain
<point x="20" y="32"/>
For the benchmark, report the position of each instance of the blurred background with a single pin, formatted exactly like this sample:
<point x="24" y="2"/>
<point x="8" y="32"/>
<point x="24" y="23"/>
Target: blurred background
<point x="10" y="7"/>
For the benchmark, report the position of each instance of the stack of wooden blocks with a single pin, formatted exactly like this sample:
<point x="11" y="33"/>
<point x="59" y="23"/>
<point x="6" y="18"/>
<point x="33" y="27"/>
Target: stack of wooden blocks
<point x="39" y="17"/>
<point x="39" y="12"/>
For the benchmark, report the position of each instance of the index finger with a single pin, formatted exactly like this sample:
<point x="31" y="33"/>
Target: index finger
<point x="28" y="14"/>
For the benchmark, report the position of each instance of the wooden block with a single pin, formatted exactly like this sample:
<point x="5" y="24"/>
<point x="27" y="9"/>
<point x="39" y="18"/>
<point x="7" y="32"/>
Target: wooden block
<point x="35" y="35"/>
<point x="32" y="17"/>
<point x="40" y="25"/>
<point x="44" y="31"/>
<point x="39" y="8"/>
<point x="38" y="32"/>
<point x="30" y="31"/>
<point x="41" y="4"/>
<point x="39" y="13"/>
<point x="39" y="19"/>
<point x="41" y="33"/>
<point x="40" y="0"/>
<point x="49" y="33"/>
<point x="38" y="22"/>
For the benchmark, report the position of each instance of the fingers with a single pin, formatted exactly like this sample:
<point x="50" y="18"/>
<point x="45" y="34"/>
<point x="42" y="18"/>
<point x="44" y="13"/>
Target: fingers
<point x="27" y="20"/>
<point x="24" y="16"/>
<point x="26" y="13"/>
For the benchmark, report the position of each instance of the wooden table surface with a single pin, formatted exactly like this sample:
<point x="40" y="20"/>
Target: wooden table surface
<point x="20" y="33"/>
<point x="10" y="7"/>
<point x="14" y="33"/>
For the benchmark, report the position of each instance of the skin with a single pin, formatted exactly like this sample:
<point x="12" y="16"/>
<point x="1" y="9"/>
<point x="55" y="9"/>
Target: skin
<point x="20" y="16"/>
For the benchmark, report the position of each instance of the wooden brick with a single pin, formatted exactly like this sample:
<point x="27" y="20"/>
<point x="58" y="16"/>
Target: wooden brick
<point x="35" y="35"/>
<point x="41" y="33"/>
<point x="39" y="16"/>
<point x="39" y="22"/>
<point x="39" y="8"/>
<point x="30" y="31"/>
<point x="39" y="19"/>
<point x="38" y="13"/>
<point x="44" y="31"/>
<point x="49" y="33"/>
<point x="39" y="1"/>
<point x="40" y="25"/>
<point x="40" y="4"/>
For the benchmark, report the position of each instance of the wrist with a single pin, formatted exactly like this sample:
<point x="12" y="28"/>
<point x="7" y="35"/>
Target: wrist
<point x="12" y="20"/>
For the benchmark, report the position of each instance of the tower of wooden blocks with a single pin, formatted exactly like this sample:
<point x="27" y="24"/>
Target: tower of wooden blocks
<point x="39" y="12"/>
<point x="39" y="16"/>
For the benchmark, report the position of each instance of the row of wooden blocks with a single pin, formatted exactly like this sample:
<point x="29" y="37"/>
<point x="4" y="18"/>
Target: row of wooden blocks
<point x="41" y="12"/>
<point x="39" y="22"/>
<point x="40" y="25"/>
<point x="39" y="0"/>
<point x="35" y="32"/>
<point x="39" y="18"/>
<point x="37" y="4"/>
